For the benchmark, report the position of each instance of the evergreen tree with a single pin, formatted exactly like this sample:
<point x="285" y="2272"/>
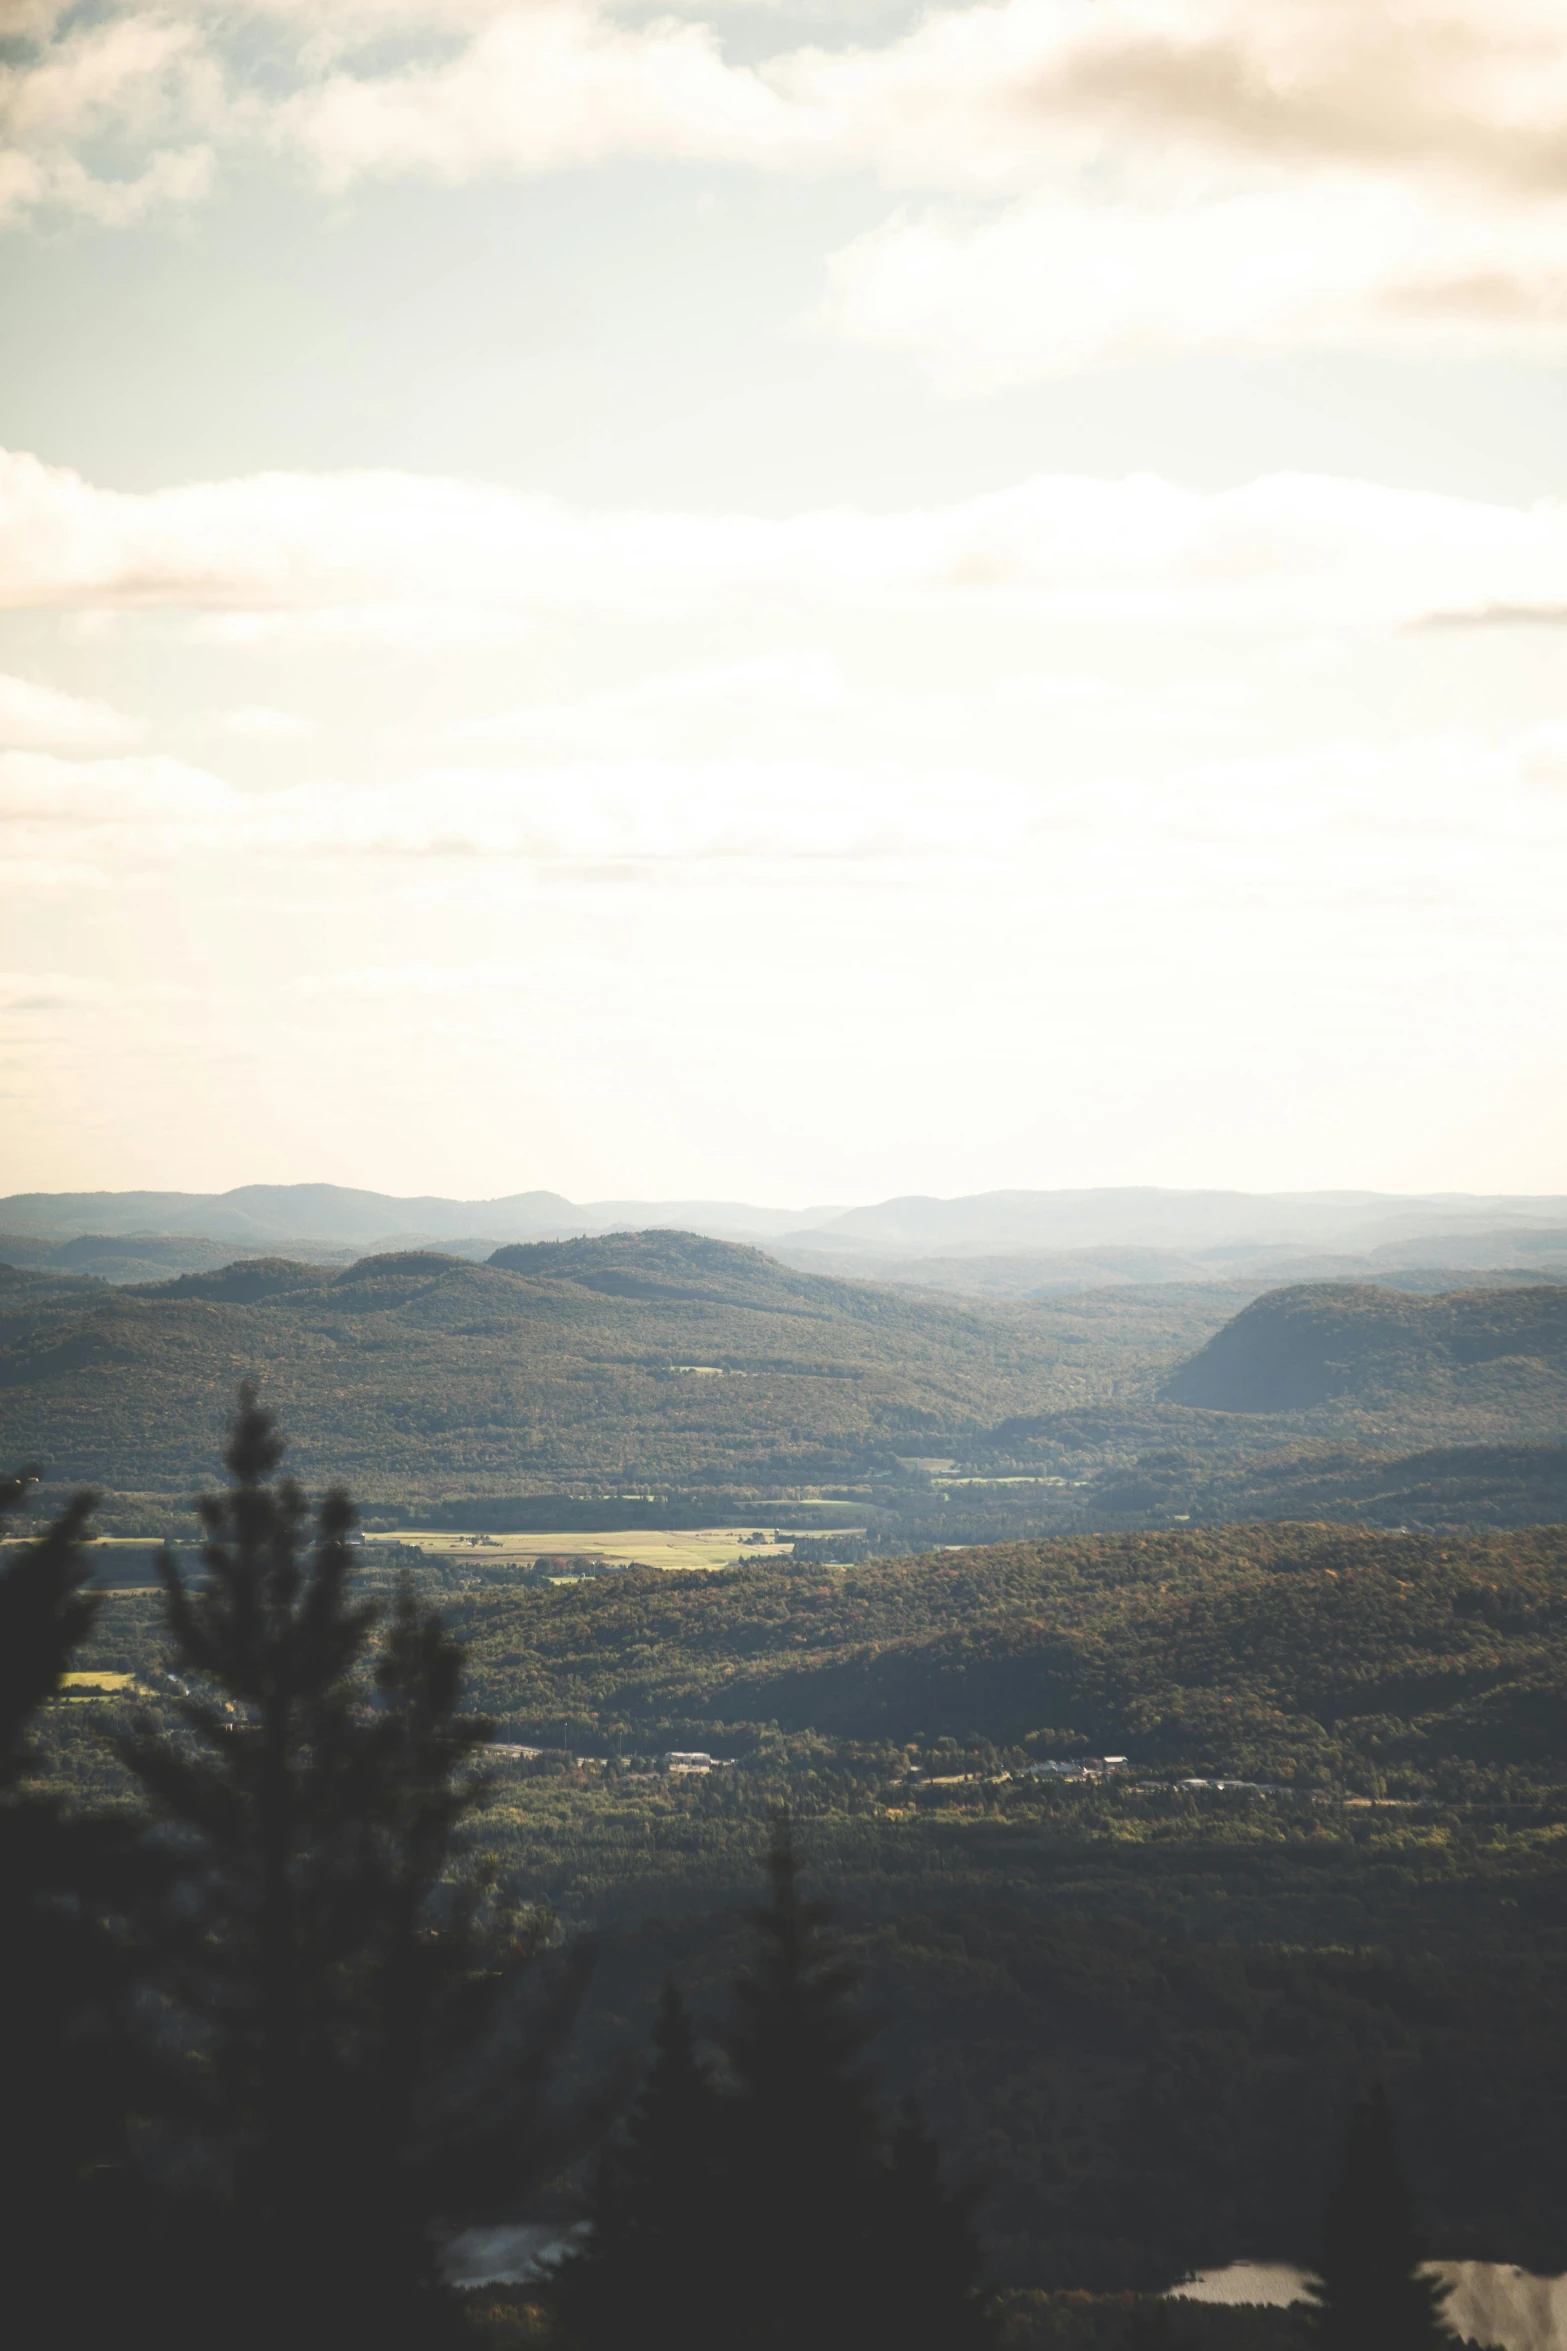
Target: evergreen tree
<point x="44" y="1618"/>
<point x="651" y="2247"/>
<point x="798" y="2234"/>
<point x="830" y="2237"/>
<point x="1160" y="2326"/>
<point x="337" y="1994"/>
<point x="1370" y="2292"/>
<point x="66" y="2071"/>
<point x="929" y="2252"/>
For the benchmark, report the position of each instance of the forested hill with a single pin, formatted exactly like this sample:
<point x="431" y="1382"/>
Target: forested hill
<point x="1309" y="1654"/>
<point x="1489" y="1359"/>
<point x="636" y="1358"/>
<point x="674" y="1267"/>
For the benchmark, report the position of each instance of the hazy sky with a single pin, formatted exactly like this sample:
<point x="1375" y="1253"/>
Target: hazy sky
<point x="783" y="602"/>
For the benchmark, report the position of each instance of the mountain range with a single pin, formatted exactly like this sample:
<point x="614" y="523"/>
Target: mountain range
<point x="1002" y="1244"/>
<point x="678" y="1375"/>
<point x="623" y="1360"/>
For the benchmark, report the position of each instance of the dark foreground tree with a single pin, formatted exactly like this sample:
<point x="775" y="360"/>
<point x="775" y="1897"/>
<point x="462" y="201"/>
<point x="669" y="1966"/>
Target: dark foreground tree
<point x="930" y="2250"/>
<point x="800" y="2233"/>
<point x="776" y="2211"/>
<point x="1371" y="2293"/>
<point x="835" y="2232"/>
<point x="66" y="2068"/>
<point x="656" y="2192"/>
<point x="354" y="2015"/>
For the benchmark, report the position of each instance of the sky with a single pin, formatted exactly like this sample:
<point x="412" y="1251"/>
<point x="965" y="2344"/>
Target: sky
<point x="783" y="602"/>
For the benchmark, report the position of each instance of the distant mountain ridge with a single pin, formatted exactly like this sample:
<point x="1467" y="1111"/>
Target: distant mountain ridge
<point x="338" y="1215"/>
<point x="1080" y="1238"/>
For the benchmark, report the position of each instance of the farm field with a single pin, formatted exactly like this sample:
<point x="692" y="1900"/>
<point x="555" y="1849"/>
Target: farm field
<point x="661" y="1547"/>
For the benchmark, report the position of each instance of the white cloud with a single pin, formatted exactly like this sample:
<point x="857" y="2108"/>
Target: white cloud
<point x="975" y="98"/>
<point x="132" y="804"/>
<point x="797" y="704"/>
<point x="1059" y="282"/>
<point x="29" y="992"/>
<point x="56" y="181"/>
<point x="1148" y="174"/>
<point x="1306" y="823"/>
<point x="135" y="812"/>
<point x="34" y="717"/>
<point x="412" y="626"/>
<point x="257" y="722"/>
<point x="546" y="88"/>
<point x="107" y="119"/>
<point x="998" y="97"/>
<point x="1287" y="547"/>
<point x="776" y="691"/>
<point x="1208" y="174"/>
<point x="392" y="980"/>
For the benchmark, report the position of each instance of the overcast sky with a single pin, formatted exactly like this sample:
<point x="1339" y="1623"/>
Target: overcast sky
<point x="782" y="602"/>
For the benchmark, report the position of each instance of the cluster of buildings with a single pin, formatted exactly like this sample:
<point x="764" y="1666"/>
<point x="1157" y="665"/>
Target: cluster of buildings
<point x="1105" y="1767"/>
<point x="677" y="1759"/>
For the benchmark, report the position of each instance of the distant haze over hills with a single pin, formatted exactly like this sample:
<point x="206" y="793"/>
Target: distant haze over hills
<point x="336" y="1215"/>
<point x="615" y="1373"/>
<point x="1011" y="1243"/>
<point x="658" y="1357"/>
<point x="1144" y="1217"/>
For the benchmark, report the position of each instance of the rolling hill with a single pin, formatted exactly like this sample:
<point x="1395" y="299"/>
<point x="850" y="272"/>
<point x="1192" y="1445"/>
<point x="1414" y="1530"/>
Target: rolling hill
<point x="640" y="1359"/>
<point x="1295" y="1652"/>
<point x="596" y="1369"/>
<point x="1489" y="1359"/>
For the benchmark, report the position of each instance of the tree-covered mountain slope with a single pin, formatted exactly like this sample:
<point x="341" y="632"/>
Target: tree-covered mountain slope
<point x="1491" y="1359"/>
<point x="632" y="1359"/>
<point x="1283" y="1651"/>
<point x="1451" y="1488"/>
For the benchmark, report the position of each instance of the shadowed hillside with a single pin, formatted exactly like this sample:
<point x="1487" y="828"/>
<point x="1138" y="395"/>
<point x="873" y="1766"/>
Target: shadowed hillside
<point x="1300" y="1652"/>
<point x="1475" y="1355"/>
<point x="1449" y="1486"/>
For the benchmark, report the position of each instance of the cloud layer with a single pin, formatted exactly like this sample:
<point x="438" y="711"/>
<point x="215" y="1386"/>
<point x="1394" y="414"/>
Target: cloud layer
<point x="1292" y="818"/>
<point x="33" y="717"/>
<point x="1091" y="182"/>
<point x="348" y="549"/>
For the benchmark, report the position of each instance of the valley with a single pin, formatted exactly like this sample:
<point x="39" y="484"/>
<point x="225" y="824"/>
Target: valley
<point x="666" y="1380"/>
<point x="881" y="1550"/>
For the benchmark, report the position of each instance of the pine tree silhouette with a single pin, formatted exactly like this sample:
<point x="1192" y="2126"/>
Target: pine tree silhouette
<point x="1370" y="2292"/>
<point x="67" y="2066"/>
<point x="339" y="1992"/>
<point x="798" y="2235"/>
<point x="1159" y="2326"/>
<point x="928" y="2252"/>
<point x="44" y="1618"/>
<point x="827" y="2237"/>
<point x="651" y="2248"/>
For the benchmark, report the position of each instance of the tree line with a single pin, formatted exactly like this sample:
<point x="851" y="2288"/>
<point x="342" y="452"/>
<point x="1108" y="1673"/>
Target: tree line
<point x="271" y="2033"/>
